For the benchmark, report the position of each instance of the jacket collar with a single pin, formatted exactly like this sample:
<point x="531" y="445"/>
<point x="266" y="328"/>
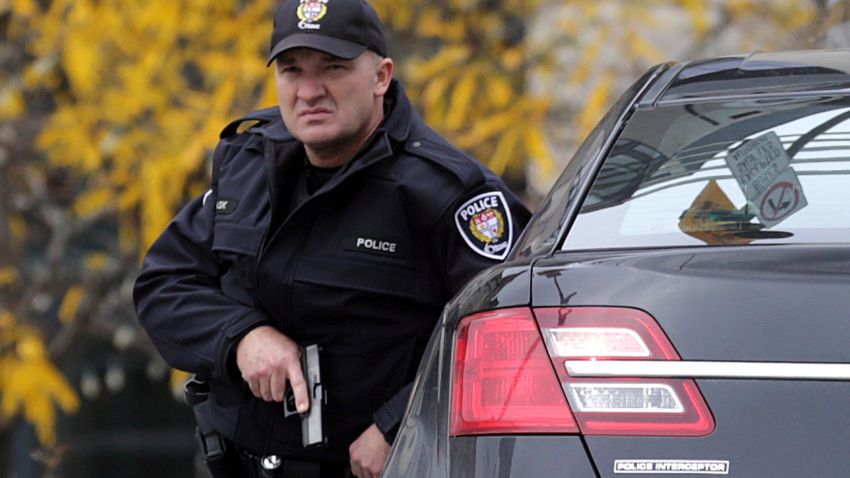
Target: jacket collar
<point x="400" y="112"/>
<point x="276" y="131"/>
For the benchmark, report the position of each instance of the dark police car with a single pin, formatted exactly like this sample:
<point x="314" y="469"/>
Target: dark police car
<point x="678" y="306"/>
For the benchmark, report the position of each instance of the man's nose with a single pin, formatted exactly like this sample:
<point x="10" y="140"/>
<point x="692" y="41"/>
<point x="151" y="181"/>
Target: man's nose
<point x="311" y="88"/>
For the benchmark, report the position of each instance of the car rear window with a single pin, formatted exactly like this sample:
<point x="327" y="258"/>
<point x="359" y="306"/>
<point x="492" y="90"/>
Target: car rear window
<point x="759" y="171"/>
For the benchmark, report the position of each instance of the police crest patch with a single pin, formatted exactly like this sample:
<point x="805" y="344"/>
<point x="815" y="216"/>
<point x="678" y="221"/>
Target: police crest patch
<point x="310" y="12"/>
<point x="485" y="224"/>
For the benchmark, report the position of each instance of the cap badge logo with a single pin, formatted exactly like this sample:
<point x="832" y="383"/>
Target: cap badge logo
<point x="311" y="11"/>
<point x="484" y="222"/>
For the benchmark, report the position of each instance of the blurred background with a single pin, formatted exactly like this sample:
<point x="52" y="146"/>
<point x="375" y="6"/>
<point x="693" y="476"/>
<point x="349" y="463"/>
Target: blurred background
<point x="109" y="110"/>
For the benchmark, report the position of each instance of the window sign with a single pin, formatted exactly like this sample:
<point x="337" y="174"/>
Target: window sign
<point x="763" y="171"/>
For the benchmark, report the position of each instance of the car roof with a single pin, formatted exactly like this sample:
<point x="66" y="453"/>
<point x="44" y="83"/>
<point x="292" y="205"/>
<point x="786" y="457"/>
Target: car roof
<point x="758" y="74"/>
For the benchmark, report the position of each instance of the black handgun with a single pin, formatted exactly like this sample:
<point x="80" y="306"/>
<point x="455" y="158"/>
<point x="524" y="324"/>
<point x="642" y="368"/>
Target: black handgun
<point x="311" y="422"/>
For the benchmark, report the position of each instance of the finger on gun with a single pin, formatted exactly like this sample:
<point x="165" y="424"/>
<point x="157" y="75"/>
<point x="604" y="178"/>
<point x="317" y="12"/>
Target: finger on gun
<point x="299" y="389"/>
<point x="278" y="384"/>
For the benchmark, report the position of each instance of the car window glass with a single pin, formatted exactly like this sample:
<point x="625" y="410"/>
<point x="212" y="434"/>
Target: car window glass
<point x="734" y="172"/>
<point x="542" y="232"/>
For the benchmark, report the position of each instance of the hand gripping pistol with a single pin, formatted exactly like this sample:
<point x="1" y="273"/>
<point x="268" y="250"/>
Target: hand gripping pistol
<point x="311" y="421"/>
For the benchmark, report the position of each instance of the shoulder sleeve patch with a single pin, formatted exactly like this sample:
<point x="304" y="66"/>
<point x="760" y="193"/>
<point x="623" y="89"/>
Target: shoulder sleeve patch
<point x="485" y="224"/>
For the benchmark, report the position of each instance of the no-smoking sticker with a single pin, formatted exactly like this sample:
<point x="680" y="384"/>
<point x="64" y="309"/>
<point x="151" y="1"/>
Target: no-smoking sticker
<point x="782" y="199"/>
<point x="763" y="170"/>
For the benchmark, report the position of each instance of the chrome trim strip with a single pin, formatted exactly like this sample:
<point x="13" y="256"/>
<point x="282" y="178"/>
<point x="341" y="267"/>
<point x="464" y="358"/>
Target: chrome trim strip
<point x="700" y="369"/>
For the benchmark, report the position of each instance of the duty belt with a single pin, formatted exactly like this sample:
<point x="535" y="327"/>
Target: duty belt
<point x="272" y="466"/>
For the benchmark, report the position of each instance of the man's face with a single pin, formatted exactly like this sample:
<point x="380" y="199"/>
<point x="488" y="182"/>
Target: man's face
<point x="326" y="101"/>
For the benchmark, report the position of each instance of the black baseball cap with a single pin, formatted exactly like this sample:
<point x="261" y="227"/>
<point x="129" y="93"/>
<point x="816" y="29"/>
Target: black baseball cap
<point x="342" y="28"/>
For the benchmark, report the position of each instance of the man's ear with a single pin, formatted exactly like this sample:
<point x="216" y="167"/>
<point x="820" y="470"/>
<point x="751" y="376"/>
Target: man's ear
<point x="383" y="76"/>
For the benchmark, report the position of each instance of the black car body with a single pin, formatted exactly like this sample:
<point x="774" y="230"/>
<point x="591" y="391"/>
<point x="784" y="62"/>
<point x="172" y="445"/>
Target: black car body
<point x="680" y="303"/>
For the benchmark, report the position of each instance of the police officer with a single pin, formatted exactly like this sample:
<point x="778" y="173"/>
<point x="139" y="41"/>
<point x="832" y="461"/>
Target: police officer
<point x="338" y="219"/>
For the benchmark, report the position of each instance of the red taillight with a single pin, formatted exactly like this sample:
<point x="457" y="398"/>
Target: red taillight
<point x="504" y="381"/>
<point x="503" y="378"/>
<point x="623" y="405"/>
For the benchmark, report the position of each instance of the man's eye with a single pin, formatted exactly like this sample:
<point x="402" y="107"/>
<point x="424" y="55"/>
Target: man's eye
<point x="337" y="66"/>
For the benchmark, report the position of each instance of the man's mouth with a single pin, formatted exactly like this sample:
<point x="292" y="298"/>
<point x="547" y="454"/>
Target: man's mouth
<point x="314" y="112"/>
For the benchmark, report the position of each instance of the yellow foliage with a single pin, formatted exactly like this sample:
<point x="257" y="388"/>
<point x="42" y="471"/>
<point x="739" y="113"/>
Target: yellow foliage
<point x="269" y="94"/>
<point x="148" y="83"/>
<point x="24" y="7"/>
<point x="141" y="89"/>
<point x="595" y="106"/>
<point x="71" y="303"/>
<point x="505" y="150"/>
<point x="11" y="103"/>
<point x="93" y="201"/>
<point x="461" y="98"/>
<point x="18" y="227"/>
<point x="512" y="59"/>
<point x="430" y="22"/>
<point x="641" y="48"/>
<point x="450" y="57"/>
<point x="98" y="261"/>
<point x="30" y="385"/>
<point x="472" y="88"/>
<point x="9" y="276"/>
<point x="739" y="8"/>
<point x="589" y="54"/>
<point x="699" y="18"/>
<point x="397" y="14"/>
<point x="7" y="321"/>
<point x="38" y="73"/>
<point x="794" y="15"/>
<point x="156" y="212"/>
<point x="434" y="93"/>
<point x="536" y="144"/>
<point x="82" y="63"/>
<point x="500" y="92"/>
<point x="487" y="128"/>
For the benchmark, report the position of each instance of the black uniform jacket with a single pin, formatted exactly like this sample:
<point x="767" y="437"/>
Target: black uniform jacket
<point x="363" y="268"/>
